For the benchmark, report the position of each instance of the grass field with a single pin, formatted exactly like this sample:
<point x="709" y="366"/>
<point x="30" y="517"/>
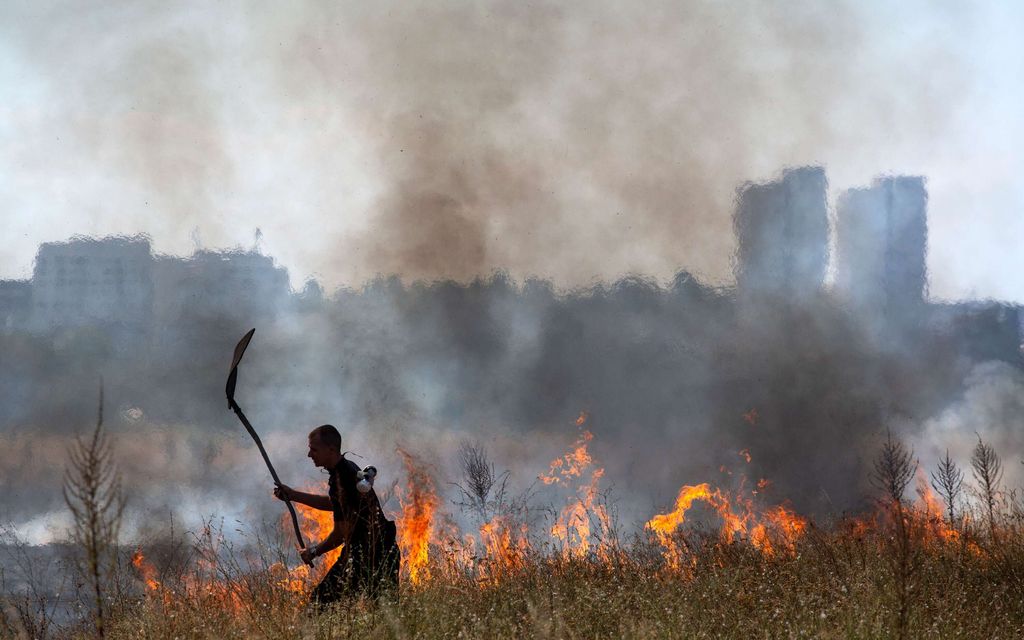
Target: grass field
<point x="718" y="565"/>
<point x="849" y="581"/>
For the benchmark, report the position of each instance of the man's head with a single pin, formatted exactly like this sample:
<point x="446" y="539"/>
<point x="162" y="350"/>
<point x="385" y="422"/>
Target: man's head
<point x="325" y="446"/>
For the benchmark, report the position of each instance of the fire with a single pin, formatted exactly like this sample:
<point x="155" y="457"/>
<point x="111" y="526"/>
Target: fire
<point x="931" y="503"/>
<point x="780" y="528"/>
<point x="584" y="518"/>
<point x="501" y="546"/>
<point x="771" y="531"/>
<point x="931" y="513"/>
<point x="733" y="525"/>
<point x="666" y="524"/>
<point x="573" y="463"/>
<point x="419" y="503"/>
<point x="146" y="570"/>
<point x="498" y="549"/>
<point x="505" y="551"/>
<point x="203" y="581"/>
<point x="573" y="527"/>
<point x="315" y="526"/>
<point x="458" y="550"/>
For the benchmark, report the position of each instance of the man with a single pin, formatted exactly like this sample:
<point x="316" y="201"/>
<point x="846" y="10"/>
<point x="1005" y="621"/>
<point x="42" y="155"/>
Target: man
<point x="369" y="561"/>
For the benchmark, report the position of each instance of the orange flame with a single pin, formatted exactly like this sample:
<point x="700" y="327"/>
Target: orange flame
<point x="771" y="531"/>
<point x="146" y="570"/>
<point x="572" y="464"/>
<point x="505" y="551"/>
<point x="458" y="550"/>
<point x="574" y="529"/>
<point x="315" y="526"/>
<point x="203" y="581"/>
<point x="932" y="505"/>
<point x="779" y="529"/>
<point x="931" y="512"/>
<point x="665" y="525"/>
<point x="419" y="503"/>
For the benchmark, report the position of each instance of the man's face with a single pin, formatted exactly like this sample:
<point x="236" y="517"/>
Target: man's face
<point x="318" y="453"/>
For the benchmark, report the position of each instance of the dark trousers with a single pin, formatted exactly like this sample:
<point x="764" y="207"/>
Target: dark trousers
<point x="356" y="574"/>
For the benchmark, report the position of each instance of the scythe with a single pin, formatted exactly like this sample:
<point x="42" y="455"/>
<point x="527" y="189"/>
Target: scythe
<point x="230" y="389"/>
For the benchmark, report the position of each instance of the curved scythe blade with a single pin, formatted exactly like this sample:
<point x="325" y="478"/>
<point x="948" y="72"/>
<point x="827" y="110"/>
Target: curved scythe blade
<point x="233" y="376"/>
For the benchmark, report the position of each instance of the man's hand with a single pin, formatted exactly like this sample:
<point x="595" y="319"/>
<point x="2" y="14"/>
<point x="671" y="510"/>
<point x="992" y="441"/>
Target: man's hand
<point x="284" y="492"/>
<point x="307" y="555"/>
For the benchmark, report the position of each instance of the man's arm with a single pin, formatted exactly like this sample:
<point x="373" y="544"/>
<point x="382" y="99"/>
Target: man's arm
<point x="339" y="535"/>
<point x="284" y="492"/>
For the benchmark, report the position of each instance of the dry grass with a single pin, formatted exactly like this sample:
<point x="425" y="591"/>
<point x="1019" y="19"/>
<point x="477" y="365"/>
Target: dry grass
<point x="901" y="572"/>
<point x="839" y="583"/>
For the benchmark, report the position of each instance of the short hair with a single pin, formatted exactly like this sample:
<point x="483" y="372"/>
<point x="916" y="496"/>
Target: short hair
<point x="328" y="435"/>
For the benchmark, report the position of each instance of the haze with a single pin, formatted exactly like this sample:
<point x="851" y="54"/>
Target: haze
<point x="571" y="141"/>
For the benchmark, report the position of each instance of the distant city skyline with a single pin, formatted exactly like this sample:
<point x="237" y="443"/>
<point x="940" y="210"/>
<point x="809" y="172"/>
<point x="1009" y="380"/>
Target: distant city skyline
<point x="941" y="282"/>
<point x="437" y="141"/>
<point x="783" y="231"/>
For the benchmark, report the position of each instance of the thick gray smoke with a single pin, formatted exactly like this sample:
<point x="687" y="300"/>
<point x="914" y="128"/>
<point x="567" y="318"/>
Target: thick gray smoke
<point x="681" y="383"/>
<point x="567" y="143"/>
<point x="571" y="141"/>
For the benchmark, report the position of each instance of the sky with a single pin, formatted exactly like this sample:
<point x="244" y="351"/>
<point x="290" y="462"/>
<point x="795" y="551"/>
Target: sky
<point x="575" y="141"/>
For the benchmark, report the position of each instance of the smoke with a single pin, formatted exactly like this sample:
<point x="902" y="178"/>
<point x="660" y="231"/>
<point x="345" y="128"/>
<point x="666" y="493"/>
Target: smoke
<point x="130" y="128"/>
<point x="992" y="408"/>
<point x="571" y="141"/>
<point x="523" y="136"/>
<point x="556" y="145"/>
<point x="681" y="385"/>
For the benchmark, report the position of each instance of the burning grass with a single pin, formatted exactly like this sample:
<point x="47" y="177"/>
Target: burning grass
<point x="716" y="563"/>
<point x="834" y="583"/>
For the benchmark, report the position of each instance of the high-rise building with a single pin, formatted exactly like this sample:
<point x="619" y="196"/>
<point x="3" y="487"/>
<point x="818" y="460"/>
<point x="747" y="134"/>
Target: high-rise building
<point x="88" y="281"/>
<point x="782" y="232"/>
<point x="119" y="284"/>
<point x="219" y="289"/>
<point x="219" y="284"/>
<point x="882" y="234"/>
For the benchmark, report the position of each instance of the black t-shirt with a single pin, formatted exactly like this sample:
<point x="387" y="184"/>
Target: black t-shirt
<point x="342" y="492"/>
<point x="363" y="510"/>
